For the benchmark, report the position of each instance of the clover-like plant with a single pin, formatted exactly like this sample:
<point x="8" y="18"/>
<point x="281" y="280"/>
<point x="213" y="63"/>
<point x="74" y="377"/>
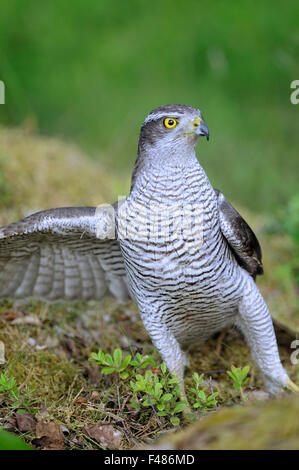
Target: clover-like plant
<point x="202" y="400"/>
<point x="240" y="379"/>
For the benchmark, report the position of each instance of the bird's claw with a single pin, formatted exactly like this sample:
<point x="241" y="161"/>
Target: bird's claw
<point x="292" y="386"/>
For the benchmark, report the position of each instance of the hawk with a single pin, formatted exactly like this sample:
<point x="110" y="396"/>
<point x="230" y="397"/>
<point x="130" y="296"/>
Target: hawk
<point x="175" y="246"/>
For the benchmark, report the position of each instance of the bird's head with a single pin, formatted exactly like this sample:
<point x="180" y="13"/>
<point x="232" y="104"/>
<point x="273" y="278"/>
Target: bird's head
<point x="171" y="127"/>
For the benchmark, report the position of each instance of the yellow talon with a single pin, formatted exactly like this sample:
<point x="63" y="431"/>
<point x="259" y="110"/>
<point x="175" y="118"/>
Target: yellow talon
<point x="292" y="386"/>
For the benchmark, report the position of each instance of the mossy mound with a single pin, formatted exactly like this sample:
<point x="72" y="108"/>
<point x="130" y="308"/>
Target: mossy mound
<point x="270" y="425"/>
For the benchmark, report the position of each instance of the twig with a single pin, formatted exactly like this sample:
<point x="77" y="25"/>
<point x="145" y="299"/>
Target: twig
<point x="128" y="433"/>
<point x="220" y="339"/>
<point x="27" y="379"/>
<point x="154" y="410"/>
<point x="212" y="390"/>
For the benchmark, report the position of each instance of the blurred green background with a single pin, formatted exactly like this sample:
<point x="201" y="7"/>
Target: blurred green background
<point x="90" y="71"/>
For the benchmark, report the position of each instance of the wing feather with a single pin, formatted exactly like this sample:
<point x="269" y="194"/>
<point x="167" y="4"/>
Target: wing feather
<point x="239" y="237"/>
<point x="57" y="254"/>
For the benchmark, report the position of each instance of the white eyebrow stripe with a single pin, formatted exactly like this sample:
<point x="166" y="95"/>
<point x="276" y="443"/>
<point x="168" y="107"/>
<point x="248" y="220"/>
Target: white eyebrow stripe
<point x="156" y="116"/>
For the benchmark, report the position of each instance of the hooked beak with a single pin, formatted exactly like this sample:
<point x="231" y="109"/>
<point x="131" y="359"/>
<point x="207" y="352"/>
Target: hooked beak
<point x="200" y="128"/>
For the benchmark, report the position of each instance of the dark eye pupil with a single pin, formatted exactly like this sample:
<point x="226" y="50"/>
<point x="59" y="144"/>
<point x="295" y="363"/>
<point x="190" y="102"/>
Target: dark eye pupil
<point x="170" y="122"/>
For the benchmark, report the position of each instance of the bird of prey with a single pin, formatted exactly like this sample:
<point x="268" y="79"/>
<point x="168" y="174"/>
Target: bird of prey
<point x="175" y="246"/>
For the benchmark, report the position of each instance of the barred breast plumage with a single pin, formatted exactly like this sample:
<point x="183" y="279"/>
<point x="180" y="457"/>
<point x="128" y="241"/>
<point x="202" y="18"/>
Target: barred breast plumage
<point x="175" y="246"/>
<point x="192" y="284"/>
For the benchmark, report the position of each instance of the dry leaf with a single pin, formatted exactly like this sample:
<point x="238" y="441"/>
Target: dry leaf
<point x="94" y="398"/>
<point x="10" y="316"/>
<point x="25" y="422"/>
<point x="80" y="401"/>
<point x="49" y="436"/>
<point x="11" y="424"/>
<point x="106" y="435"/>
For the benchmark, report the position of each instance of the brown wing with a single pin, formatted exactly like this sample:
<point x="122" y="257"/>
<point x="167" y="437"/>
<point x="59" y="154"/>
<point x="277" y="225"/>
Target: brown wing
<point x="239" y="237"/>
<point x="57" y="254"/>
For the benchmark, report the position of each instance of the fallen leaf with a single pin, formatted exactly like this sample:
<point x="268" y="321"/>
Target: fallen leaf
<point x="25" y="422"/>
<point x="94" y="398"/>
<point x="106" y="435"/>
<point x="80" y="401"/>
<point x="11" y="424"/>
<point x="49" y="436"/>
<point x="10" y="316"/>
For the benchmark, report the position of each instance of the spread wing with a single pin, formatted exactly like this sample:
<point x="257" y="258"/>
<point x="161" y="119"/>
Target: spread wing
<point x="63" y="253"/>
<point x="240" y="237"/>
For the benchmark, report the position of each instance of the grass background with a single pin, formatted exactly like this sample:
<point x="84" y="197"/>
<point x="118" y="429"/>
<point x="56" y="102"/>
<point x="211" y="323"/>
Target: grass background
<point x="91" y="71"/>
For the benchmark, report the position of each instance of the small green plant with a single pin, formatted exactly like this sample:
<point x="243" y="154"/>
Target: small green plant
<point x="240" y="379"/>
<point x="124" y="366"/>
<point x="151" y="385"/>
<point x="113" y="364"/>
<point x="9" y="389"/>
<point x="202" y="400"/>
<point x="159" y="391"/>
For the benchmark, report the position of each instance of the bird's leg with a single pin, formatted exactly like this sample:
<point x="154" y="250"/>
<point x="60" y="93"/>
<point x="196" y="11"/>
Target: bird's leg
<point x="255" y="321"/>
<point x="170" y="351"/>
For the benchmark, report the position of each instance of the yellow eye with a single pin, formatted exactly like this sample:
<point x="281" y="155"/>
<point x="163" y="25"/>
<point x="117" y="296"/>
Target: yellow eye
<point x="170" y="123"/>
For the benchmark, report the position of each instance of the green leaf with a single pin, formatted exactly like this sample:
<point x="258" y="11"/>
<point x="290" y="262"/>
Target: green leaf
<point x="108" y="360"/>
<point x="124" y="375"/>
<point x="197" y="378"/>
<point x="180" y="407"/>
<point x="108" y="370"/>
<point x="201" y="394"/>
<point x="126" y="361"/>
<point x="231" y="375"/>
<point x="9" y="441"/>
<point x="173" y="380"/>
<point x="94" y="356"/>
<point x="175" y="421"/>
<point x="157" y="389"/>
<point x="117" y="356"/>
<point x="135" y="404"/>
<point x="166" y="397"/>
